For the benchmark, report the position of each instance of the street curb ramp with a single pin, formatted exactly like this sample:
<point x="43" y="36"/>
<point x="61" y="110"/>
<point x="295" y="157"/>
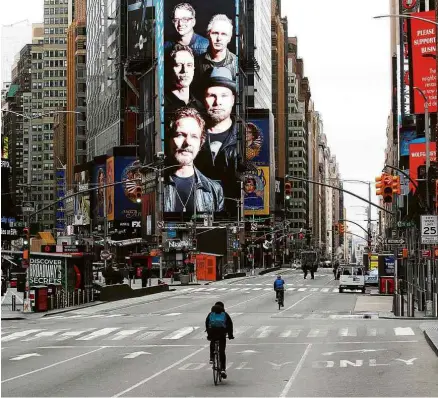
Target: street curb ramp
<point x="266" y="271"/>
<point x="122" y="291"/>
<point x="432" y="339"/>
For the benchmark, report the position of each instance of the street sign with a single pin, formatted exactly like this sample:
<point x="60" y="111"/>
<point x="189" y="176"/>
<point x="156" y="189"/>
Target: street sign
<point x="400" y="241"/>
<point x="28" y="207"/>
<point x="426" y="253"/>
<point x="429" y="229"/>
<point x="253" y="227"/>
<point x="105" y="255"/>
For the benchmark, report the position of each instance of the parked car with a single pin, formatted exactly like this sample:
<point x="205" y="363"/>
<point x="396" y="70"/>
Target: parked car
<point x="352" y="277"/>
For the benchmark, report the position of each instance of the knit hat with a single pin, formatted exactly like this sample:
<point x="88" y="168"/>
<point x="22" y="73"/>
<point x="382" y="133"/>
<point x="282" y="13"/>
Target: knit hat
<point x="221" y="77"/>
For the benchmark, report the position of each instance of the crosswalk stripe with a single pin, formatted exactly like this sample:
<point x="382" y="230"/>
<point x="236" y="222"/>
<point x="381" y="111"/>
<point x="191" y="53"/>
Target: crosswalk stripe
<point x="212" y="288"/>
<point x="404" y="331"/>
<point x="267" y="288"/>
<point x="317" y="333"/>
<point x="97" y="333"/>
<point x="173" y="314"/>
<point x="201" y="289"/>
<point x="325" y="289"/>
<point x="235" y="288"/>
<point x="263" y="331"/>
<point x="178" y="334"/>
<point x="347" y="332"/>
<point x="125" y="333"/>
<point x="257" y="288"/>
<point x="17" y="335"/>
<point x="149" y="334"/>
<point x="375" y="332"/>
<point x="239" y="330"/>
<point x="314" y="289"/>
<point x="302" y="289"/>
<point x="290" y="333"/>
<point x="68" y="335"/>
<point x="336" y="290"/>
<point x="245" y="288"/>
<point x="48" y="333"/>
<point x="222" y="289"/>
<point x="291" y="288"/>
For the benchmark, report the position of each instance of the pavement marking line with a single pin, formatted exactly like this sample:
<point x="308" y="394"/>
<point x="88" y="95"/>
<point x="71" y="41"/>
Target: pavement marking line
<point x="125" y="333"/>
<point x="288" y="385"/>
<point x="53" y="365"/>
<point x="335" y="290"/>
<point x="375" y="332"/>
<point x="44" y="334"/>
<point x="344" y="332"/>
<point x="68" y="335"/>
<point x="257" y="288"/>
<point x="178" y="334"/>
<point x="317" y="333"/>
<point x="302" y="289"/>
<point x="97" y="333"/>
<point x="173" y="314"/>
<point x="149" y="334"/>
<point x="325" y="289"/>
<point x="160" y="372"/>
<point x="404" y="332"/>
<point x="314" y="289"/>
<point x="293" y="305"/>
<point x="290" y="333"/>
<point x="263" y="332"/>
<point x="267" y="288"/>
<point x="17" y="335"/>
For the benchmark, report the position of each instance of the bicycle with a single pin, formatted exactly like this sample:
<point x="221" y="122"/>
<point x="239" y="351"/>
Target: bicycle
<point x="217" y="370"/>
<point x="280" y="298"/>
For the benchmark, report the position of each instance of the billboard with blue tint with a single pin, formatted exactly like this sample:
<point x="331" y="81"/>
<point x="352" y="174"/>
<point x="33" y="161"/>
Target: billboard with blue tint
<point x="125" y="195"/>
<point x="159" y="43"/>
<point x="99" y="180"/>
<point x="257" y="141"/>
<point x="406" y="137"/>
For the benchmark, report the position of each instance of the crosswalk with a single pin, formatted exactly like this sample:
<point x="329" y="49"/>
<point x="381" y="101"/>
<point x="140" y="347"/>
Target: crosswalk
<point x="256" y="333"/>
<point x="255" y="288"/>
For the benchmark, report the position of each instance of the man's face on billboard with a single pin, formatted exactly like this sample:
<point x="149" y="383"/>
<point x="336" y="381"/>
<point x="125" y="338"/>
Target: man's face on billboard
<point x="183" y="21"/>
<point x="219" y="102"/>
<point x="183" y="68"/>
<point x="186" y="141"/>
<point x="220" y="35"/>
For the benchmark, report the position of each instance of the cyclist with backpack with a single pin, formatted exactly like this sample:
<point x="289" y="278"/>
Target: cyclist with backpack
<point x="218" y="324"/>
<point x="279" y="287"/>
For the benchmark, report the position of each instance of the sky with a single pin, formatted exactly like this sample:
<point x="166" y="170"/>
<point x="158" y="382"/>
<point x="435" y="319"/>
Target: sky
<point x="347" y="60"/>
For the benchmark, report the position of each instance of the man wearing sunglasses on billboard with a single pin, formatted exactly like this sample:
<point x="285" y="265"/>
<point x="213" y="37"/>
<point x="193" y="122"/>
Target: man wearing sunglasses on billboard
<point x="219" y="33"/>
<point x="185" y="187"/>
<point x="179" y="94"/>
<point x="184" y="21"/>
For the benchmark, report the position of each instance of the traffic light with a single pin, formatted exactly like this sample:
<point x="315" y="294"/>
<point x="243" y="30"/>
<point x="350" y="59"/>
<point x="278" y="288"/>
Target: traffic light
<point x="26" y="244"/>
<point x="194" y="244"/>
<point x="336" y="228"/>
<point x="396" y="189"/>
<point x="138" y="192"/>
<point x="287" y="190"/>
<point x="379" y="185"/>
<point x="387" y="189"/>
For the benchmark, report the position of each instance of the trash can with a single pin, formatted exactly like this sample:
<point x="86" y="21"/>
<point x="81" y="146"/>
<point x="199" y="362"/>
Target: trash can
<point x="185" y="279"/>
<point x="40" y="302"/>
<point x="21" y="283"/>
<point x="386" y="285"/>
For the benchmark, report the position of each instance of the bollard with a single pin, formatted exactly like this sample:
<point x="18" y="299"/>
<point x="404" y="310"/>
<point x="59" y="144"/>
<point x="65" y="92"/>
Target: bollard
<point x="92" y="294"/>
<point x="83" y="296"/>
<point x="73" y="297"/>
<point x="57" y="300"/>
<point x="435" y="305"/>
<point x="68" y="299"/>
<point x="88" y="295"/>
<point x="79" y="296"/>
<point x="52" y="302"/>
<point x="14" y="303"/>
<point x="149" y="281"/>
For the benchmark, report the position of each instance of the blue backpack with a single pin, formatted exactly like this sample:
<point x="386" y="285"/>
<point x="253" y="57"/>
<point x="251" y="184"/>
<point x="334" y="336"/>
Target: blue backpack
<point x="217" y="320"/>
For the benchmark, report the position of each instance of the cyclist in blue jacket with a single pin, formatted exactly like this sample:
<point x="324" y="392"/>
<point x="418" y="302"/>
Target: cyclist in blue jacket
<point x="278" y="286"/>
<point x="217" y="324"/>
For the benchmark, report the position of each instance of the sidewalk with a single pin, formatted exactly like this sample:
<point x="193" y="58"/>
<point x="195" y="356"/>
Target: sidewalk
<point x="430" y="330"/>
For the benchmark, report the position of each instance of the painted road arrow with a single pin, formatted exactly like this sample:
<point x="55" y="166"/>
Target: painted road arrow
<point x="24" y="356"/>
<point x="133" y="355"/>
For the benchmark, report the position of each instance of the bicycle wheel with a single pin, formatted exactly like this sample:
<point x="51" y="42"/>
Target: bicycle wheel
<point x="216" y="365"/>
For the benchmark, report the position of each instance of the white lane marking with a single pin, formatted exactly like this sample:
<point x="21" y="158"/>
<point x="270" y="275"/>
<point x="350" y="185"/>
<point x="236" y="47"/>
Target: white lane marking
<point x="347" y="332"/>
<point x="235" y="288"/>
<point x="160" y="372"/>
<point x="268" y="288"/>
<point x="263" y="332"/>
<point x="149" y="334"/>
<point x="222" y="289"/>
<point x="68" y="335"/>
<point x="290" y="333"/>
<point x="302" y="289"/>
<point x="290" y="288"/>
<point x="53" y="364"/>
<point x="201" y="289"/>
<point x="335" y="290"/>
<point x="235" y="313"/>
<point x="317" y="333"/>
<point x="314" y="289"/>
<point x="210" y="289"/>
<point x="133" y="355"/>
<point x="113" y="315"/>
<point x="245" y="289"/>
<point x="178" y="334"/>
<point x="257" y="288"/>
<point x="173" y="314"/>
<point x="17" y="335"/>
<point x="294" y="304"/>
<point x="24" y="356"/>
<point x="125" y="333"/>
<point x="44" y="334"/>
<point x="404" y="332"/>
<point x="288" y="385"/>
<point x="97" y="333"/>
<point x="325" y="289"/>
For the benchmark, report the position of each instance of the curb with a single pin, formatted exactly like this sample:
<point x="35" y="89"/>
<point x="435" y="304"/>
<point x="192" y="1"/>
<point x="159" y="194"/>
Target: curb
<point x="430" y="337"/>
<point x="386" y="315"/>
<point x="69" y="309"/>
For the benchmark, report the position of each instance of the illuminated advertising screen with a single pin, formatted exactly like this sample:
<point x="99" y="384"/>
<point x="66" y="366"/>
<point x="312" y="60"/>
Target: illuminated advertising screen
<point x="256" y="192"/>
<point x="424" y="60"/>
<point x="257" y="141"/>
<point x="126" y="206"/>
<point x="417" y="158"/>
<point x="99" y="180"/>
<point x="200" y="139"/>
<point x="110" y="190"/>
<point x="82" y="201"/>
<point x="406" y="137"/>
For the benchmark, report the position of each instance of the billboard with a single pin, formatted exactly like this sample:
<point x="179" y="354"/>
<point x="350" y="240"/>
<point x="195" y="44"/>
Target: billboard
<point x="423" y="45"/>
<point x="98" y="180"/>
<point x="82" y="204"/>
<point x="140" y="29"/>
<point x="417" y="158"/>
<point x="256" y="192"/>
<point x="109" y="192"/>
<point x="125" y="203"/>
<point x="257" y="141"/>
<point x="406" y="137"/>
<point x="200" y="138"/>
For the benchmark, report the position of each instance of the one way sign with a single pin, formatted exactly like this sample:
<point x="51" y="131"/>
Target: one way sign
<point x="400" y="241"/>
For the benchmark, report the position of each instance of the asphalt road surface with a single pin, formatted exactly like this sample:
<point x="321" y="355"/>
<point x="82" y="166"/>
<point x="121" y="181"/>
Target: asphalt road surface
<point x="314" y="346"/>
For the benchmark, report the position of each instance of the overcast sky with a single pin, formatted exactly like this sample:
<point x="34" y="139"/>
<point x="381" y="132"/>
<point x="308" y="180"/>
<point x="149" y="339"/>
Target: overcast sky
<point x="347" y="60"/>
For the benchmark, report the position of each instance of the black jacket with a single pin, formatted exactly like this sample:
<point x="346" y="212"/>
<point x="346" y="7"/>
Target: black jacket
<point x="218" y="309"/>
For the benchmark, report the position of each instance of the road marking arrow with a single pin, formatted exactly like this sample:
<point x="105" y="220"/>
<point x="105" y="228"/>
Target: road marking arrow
<point x="362" y="351"/>
<point x="406" y="361"/>
<point x="133" y="355"/>
<point x="247" y="352"/>
<point x="24" y="356"/>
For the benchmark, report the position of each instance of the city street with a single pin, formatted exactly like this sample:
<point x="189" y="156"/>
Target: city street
<point x="315" y="346"/>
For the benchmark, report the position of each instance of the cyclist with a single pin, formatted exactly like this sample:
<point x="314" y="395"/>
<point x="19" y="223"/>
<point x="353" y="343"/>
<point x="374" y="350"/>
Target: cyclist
<point x="217" y="324"/>
<point x="278" y="287"/>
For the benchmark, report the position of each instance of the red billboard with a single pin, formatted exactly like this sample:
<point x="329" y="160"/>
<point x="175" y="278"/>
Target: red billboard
<point x="417" y="158"/>
<point x="423" y="60"/>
